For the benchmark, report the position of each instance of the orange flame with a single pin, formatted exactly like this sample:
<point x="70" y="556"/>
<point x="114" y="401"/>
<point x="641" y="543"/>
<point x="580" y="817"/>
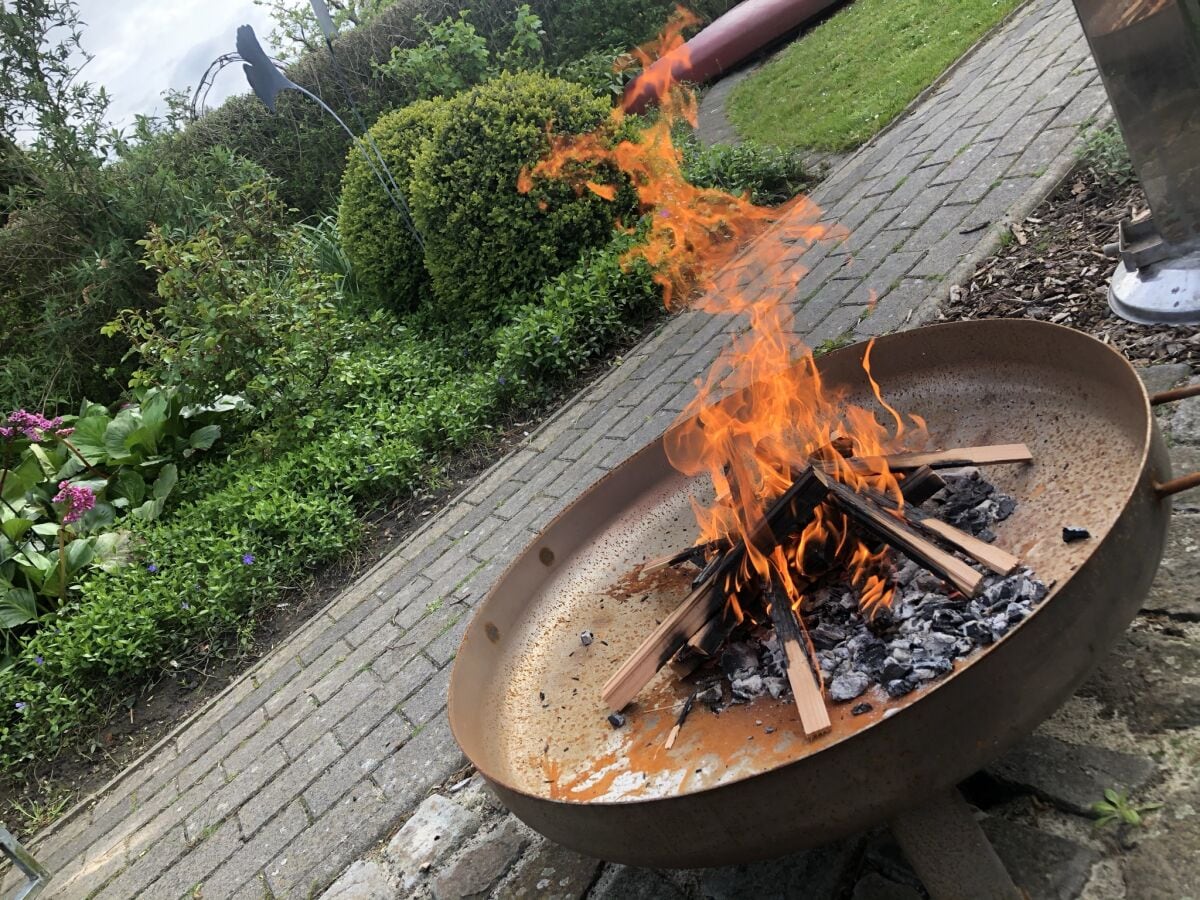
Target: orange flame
<point x="762" y="411"/>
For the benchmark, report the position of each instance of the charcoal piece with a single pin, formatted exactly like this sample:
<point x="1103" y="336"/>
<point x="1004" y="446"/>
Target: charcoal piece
<point x="881" y="620"/>
<point x="1015" y="612"/>
<point x="710" y="695"/>
<point x="847" y="687"/>
<point x="929" y="669"/>
<point x="860" y="708"/>
<point x="739" y="659"/>
<point x="826" y="637"/>
<point x="1004" y="507"/>
<point x="586" y="638"/>
<point x="746" y="689"/>
<point x="937" y="645"/>
<point x="946" y="619"/>
<point x="776" y="686"/>
<point x="999" y="625"/>
<point x="899" y="687"/>
<point x="869" y="657"/>
<point x="1032" y="591"/>
<point x="894" y="670"/>
<point x="616" y="720"/>
<point x="1072" y="533"/>
<point x="986" y="535"/>
<point x="978" y="633"/>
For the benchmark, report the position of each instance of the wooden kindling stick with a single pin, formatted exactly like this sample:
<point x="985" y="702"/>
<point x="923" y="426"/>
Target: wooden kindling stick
<point x="999" y="561"/>
<point x="792" y="509"/>
<point x="889" y="529"/>
<point x="989" y="455"/>
<point x="806" y="690"/>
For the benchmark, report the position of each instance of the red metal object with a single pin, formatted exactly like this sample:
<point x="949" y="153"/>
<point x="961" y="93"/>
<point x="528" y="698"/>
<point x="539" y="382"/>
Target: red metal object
<point x="745" y="29"/>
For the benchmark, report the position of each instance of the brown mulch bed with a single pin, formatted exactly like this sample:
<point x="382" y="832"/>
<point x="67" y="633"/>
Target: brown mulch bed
<point x="1053" y="269"/>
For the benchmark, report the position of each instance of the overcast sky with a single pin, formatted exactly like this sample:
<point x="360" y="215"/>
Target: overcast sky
<point x="143" y="47"/>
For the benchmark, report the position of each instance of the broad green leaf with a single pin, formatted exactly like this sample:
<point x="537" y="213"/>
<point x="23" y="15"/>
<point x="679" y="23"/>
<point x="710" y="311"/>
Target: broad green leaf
<point x="46" y="529"/>
<point x="29" y="559"/>
<point x="99" y="516"/>
<point x="79" y="553"/>
<point x="72" y="467"/>
<point x="21" y="478"/>
<point x="204" y="438"/>
<point x="18" y="607"/>
<point x="118" y="432"/>
<point x="88" y="438"/>
<point x="166" y="481"/>
<point x="130" y="485"/>
<point x="14" y="529"/>
<point x="88" y="409"/>
<point x="1132" y="817"/>
<point x="148" y="511"/>
<point x="48" y="466"/>
<point x="113" y="549"/>
<point x="155" y="407"/>
<point x="1112" y="796"/>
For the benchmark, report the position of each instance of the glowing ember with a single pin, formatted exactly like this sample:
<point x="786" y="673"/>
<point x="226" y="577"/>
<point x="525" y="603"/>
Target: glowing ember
<point x="761" y="413"/>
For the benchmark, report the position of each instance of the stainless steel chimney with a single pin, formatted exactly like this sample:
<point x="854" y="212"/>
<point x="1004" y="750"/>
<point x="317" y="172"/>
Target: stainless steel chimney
<point x="1148" y="52"/>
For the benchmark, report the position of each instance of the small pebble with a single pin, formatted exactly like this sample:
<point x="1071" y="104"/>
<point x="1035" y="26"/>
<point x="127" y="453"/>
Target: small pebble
<point x="1072" y="533"/>
<point x="616" y="720"/>
<point x="861" y="708"/>
<point x="586" y="638"/>
<point x="770" y="729"/>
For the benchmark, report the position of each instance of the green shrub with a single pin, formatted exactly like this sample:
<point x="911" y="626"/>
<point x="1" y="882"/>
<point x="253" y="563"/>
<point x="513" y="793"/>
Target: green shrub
<point x="487" y="244"/>
<point x="1106" y="153"/>
<point x="768" y="174"/>
<point x="385" y="254"/>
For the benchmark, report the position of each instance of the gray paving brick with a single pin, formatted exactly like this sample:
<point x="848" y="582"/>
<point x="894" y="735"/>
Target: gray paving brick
<point x="442" y="649"/>
<point x="429" y="700"/>
<point x="361" y="687"/>
<point x="426" y="760"/>
<point x="264" y="845"/>
<point x="1043" y="150"/>
<point x="894" y="306"/>
<point x="145" y="866"/>
<point x="277" y="794"/>
<point x="994" y="206"/>
<point x="834" y="326"/>
<point x="348" y="773"/>
<point x="964" y="163"/>
<point x="202" y="857"/>
<point x="235" y="791"/>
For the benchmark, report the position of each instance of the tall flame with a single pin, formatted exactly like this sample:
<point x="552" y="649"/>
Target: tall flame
<point x="762" y="411"/>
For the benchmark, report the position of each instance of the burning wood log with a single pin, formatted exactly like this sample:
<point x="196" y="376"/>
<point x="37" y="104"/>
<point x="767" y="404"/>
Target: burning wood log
<point x="695" y="555"/>
<point x="893" y="531"/>
<point x="791" y="510"/>
<point x="806" y="690"/>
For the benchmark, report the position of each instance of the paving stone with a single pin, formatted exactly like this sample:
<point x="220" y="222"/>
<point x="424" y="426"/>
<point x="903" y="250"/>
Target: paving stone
<point x="1070" y="776"/>
<point x="818" y="874"/>
<point x="357" y="763"/>
<point x="200" y="859"/>
<point x="146" y="867"/>
<point x="1164" y="377"/>
<point x="269" y="840"/>
<point x="1185" y="423"/>
<point x="1166" y="865"/>
<point x="875" y="887"/>
<point x="364" y="880"/>
<point x="282" y="790"/>
<point x="435" y="830"/>
<point x="629" y="883"/>
<point x="426" y="702"/>
<point x="550" y="872"/>
<point x="426" y="760"/>
<point x="1176" y="588"/>
<point x="1151" y="679"/>
<point x="836" y="325"/>
<point x="481" y="864"/>
<point x="1046" y="866"/>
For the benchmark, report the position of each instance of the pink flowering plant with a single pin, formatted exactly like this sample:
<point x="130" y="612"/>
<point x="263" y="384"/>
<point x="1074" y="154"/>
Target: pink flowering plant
<point x="69" y="485"/>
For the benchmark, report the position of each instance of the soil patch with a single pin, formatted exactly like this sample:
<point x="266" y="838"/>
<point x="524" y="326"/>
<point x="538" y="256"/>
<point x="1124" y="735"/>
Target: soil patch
<point x="1053" y="269"/>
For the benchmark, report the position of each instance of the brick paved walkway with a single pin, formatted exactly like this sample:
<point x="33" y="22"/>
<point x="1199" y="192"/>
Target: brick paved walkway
<point x="320" y="750"/>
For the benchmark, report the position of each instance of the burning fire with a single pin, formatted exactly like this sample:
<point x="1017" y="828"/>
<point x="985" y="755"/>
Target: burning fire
<point x="762" y="412"/>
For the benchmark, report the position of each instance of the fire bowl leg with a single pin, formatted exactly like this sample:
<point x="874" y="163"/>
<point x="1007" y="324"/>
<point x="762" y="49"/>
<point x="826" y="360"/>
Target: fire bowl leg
<point x="949" y="851"/>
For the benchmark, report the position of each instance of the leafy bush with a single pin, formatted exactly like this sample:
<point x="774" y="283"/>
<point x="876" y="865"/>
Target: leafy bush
<point x="1106" y="153"/>
<point x="485" y="242"/>
<point x="67" y="483"/>
<point x="768" y="174"/>
<point x="241" y="312"/>
<point x="385" y="254"/>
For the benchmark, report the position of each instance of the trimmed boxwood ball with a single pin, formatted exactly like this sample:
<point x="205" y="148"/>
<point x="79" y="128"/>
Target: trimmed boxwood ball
<point x="488" y="248"/>
<point x="385" y="255"/>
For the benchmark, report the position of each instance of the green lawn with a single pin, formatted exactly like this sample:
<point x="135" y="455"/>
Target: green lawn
<point x="847" y="78"/>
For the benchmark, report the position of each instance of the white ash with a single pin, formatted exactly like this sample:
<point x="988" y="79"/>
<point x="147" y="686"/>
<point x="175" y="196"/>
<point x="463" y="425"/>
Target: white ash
<point x="913" y="642"/>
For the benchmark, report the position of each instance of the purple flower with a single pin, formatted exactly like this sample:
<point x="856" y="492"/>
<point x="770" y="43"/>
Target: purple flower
<point x="185" y="605"/>
<point x="502" y="380"/>
<point x="152" y="568"/>
<point x="32" y="425"/>
<point x="39" y="661"/>
<point x="20" y="704"/>
<point x="79" y="500"/>
<point x="247" y="559"/>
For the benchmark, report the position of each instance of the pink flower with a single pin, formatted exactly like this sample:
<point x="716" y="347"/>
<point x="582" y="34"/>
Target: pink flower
<point x="79" y="499"/>
<point x="32" y="425"/>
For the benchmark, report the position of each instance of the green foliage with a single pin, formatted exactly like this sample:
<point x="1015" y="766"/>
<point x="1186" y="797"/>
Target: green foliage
<point x="378" y="241"/>
<point x="321" y="242"/>
<point x="1106" y="152"/>
<point x="451" y="59"/>
<point x="1115" y="809"/>
<point x="486" y="243"/>
<point x="853" y="73"/>
<point x="574" y="28"/>
<point x="768" y="174"/>
<point x="68" y="488"/>
<point x="296" y="28"/>
<point x="242" y="313"/>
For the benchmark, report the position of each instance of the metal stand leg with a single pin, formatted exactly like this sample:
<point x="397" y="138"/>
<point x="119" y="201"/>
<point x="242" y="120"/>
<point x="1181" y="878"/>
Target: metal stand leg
<point x="951" y="854"/>
<point x="36" y="874"/>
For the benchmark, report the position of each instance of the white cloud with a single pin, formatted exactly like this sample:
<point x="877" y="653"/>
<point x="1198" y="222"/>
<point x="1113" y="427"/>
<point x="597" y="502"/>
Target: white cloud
<point x="141" y="48"/>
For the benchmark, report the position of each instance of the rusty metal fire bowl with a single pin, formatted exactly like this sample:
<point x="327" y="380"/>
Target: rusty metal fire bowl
<point x="525" y="701"/>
